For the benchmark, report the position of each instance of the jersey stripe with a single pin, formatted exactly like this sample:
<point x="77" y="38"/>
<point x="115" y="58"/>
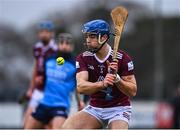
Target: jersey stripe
<point x="119" y="55"/>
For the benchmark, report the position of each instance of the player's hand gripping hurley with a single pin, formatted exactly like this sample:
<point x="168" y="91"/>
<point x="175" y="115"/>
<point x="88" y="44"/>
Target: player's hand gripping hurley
<point x="119" y="16"/>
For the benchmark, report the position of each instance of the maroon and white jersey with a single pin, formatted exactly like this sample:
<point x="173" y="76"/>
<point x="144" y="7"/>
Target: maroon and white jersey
<point x="41" y="52"/>
<point x="97" y="70"/>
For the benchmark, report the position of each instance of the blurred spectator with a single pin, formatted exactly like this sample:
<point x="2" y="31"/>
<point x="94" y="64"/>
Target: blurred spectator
<point x="164" y="116"/>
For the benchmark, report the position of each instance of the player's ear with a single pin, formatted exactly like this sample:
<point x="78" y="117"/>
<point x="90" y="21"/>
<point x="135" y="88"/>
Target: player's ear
<point x="104" y="37"/>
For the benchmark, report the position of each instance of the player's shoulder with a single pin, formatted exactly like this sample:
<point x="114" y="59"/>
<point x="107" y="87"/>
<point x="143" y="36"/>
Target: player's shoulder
<point x="71" y="60"/>
<point x="125" y="56"/>
<point x="38" y="45"/>
<point x="53" y="56"/>
<point x="85" y="54"/>
<point x="121" y="54"/>
<point x="53" y="44"/>
<point x="37" y="49"/>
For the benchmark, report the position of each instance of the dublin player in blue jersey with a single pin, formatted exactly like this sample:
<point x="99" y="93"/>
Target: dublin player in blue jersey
<point x="59" y="83"/>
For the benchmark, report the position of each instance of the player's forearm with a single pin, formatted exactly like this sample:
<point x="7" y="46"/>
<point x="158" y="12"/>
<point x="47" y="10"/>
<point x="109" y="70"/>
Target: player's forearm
<point x="88" y="88"/>
<point x="128" y="88"/>
<point x="34" y="73"/>
<point x="32" y="85"/>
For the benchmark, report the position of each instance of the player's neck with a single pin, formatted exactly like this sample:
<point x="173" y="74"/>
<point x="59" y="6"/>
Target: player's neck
<point x="46" y="43"/>
<point x="101" y="54"/>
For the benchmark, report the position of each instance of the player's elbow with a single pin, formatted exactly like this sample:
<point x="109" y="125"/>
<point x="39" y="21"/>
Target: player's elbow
<point x="133" y="94"/>
<point x="80" y="88"/>
<point x="134" y="91"/>
<point x="83" y="90"/>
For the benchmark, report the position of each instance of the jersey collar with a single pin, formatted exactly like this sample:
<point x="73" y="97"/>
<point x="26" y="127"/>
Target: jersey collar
<point x="107" y="56"/>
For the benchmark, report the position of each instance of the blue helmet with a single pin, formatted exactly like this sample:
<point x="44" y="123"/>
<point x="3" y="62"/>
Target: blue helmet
<point x="47" y="25"/>
<point x="96" y="26"/>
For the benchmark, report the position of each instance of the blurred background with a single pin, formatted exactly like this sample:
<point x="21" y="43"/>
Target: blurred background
<point x="151" y="38"/>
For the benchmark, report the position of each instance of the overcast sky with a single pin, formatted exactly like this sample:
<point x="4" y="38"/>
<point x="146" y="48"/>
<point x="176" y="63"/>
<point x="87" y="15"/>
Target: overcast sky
<point x="20" y="13"/>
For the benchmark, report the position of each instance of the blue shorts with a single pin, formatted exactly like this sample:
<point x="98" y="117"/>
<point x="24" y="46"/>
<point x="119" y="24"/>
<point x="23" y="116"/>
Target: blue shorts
<point x="45" y="113"/>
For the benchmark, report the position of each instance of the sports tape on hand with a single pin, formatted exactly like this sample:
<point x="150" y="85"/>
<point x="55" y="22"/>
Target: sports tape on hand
<point x="118" y="78"/>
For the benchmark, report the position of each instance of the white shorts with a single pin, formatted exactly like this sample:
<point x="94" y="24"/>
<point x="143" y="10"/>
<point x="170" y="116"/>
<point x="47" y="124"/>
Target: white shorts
<point x="107" y="115"/>
<point x="35" y="99"/>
